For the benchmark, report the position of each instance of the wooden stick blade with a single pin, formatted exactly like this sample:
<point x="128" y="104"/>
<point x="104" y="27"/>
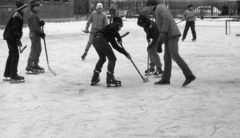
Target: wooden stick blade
<point x="54" y="73"/>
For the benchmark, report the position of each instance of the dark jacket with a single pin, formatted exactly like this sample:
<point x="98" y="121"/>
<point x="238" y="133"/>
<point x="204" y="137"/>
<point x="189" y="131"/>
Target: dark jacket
<point x="152" y="32"/>
<point x="13" y="29"/>
<point x="110" y="32"/>
<point x="33" y="23"/>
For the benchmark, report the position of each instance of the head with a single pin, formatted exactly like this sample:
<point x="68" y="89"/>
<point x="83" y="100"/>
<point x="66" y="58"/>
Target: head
<point x="34" y="6"/>
<point x="190" y="7"/>
<point x="118" y="21"/>
<point x="99" y="8"/>
<point x="142" y="20"/>
<point x="114" y="1"/>
<point x="21" y="6"/>
<point x="150" y="6"/>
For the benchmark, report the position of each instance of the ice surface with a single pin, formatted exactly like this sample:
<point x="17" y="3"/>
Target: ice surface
<point x="66" y="106"/>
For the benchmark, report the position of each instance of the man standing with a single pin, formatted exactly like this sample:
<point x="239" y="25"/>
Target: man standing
<point x="98" y="19"/>
<point x="189" y="16"/>
<point x="13" y="34"/>
<point x="35" y="35"/>
<point x="113" y="10"/>
<point x="169" y="35"/>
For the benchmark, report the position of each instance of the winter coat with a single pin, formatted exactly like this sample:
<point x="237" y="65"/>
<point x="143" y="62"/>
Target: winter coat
<point x="110" y="32"/>
<point x="165" y="22"/>
<point x="13" y="29"/>
<point x="189" y="15"/>
<point x="98" y="20"/>
<point x="33" y="23"/>
<point x="152" y="32"/>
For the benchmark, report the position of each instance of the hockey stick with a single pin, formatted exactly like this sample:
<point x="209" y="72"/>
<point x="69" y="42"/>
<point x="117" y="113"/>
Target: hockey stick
<point x="22" y="49"/>
<point x="47" y="56"/>
<point x="144" y="79"/>
<point x="148" y="58"/>
<point x="188" y="18"/>
<point x="125" y="34"/>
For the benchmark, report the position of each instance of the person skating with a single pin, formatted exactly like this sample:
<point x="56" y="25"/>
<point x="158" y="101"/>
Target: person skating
<point x="98" y="19"/>
<point x="101" y="41"/>
<point x="13" y="34"/>
<point x="189" y="16"/>
<point x="113" y="10"/>
<point x="35" y="35"/>
<point x="169" y="35"/>
<point x="150" y="27"/>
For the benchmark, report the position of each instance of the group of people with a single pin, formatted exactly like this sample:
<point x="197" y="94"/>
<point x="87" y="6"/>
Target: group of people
<point x="13" y="34"/>
<point x="163" y="31"/>
<point x="104" y="36"/>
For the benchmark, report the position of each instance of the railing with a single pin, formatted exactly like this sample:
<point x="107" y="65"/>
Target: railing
<point x="205" y="9"/>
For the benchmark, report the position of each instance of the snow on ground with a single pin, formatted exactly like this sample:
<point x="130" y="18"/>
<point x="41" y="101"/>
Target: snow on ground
<point x="66" y="106"/>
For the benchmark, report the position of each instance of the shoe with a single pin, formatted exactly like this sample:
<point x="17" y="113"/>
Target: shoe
<point x="158" y="72"/>
<point x="194" y="39"/>
<point x="84" y="56"/>
<point x="183" y="39"/>
<point x="111" y="81"/>
<point x="189" y="80"/>
<point x="31" y="69"/>
<point x="161" y="82"/>
<point x="95" y="77"/>
<point x="17" y="77"/>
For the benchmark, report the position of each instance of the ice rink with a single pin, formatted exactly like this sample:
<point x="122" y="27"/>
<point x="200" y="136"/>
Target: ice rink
<point x="66" y="106"/>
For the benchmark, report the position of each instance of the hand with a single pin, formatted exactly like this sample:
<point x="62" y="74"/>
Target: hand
<point x="19" y="43"/>
<point x="120" y="42"/>
<point x="159" y="48"/>
<point x="163" y="37"/>
<point x="42" y="35"/>
<point x="41" y="23"/>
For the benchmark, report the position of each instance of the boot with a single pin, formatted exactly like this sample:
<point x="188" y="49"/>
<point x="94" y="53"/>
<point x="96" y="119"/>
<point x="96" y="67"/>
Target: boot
<point x="150" y="71"/>
<point x="189" y="80"/>
<point x="161" y="82"/>
<point x="41" y="70"/>
<point x="95" y="77"/>
<point x="17" y="77"/>
<point x="84" y="55"/>
<point x="111" y="80"/>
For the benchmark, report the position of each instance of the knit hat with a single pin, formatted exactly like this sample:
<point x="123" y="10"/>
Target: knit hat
<point x="20" y="5"/>
<point x="142" y="20"/>
<point x="118" y="20"/>
<point x="34" y="3"/>
<point x="99" y="5"/>
<point x="189" y="6"/>
<point x="152" y="3"/>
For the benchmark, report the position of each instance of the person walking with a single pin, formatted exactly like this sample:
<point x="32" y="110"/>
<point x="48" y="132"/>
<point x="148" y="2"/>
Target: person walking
<point x="98" y="19"/>
<point x="12" y="34"/>
<point x="189" y="16"/>
<point x="35" y="36"/>
<point x="150" y="28"/>
<point x="101" y="41"/>
<point x="169" y="35"/>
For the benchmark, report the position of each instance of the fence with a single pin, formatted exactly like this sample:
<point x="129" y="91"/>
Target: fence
<point x="205" y="9"/>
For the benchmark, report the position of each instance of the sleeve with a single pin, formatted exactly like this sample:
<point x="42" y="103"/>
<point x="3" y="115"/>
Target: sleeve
<point x="166" y="21"/>
<point x="114" y="31"/>
<point x="105" y="21"/>
<point x="118" y="48"/>
<point x="89" y="21"/>
<point x="34" y="24"/>
<point x="15" y="27"/>
<point x="184" y="16"/>
<point x="155" y="34"/>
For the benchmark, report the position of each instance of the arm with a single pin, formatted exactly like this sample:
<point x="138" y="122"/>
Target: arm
<point x="89" y="21"/>
<point x="15" y="26"/>
<point x="105" y="21"/>
<point x="117" y="47"/>
<point x="155" y="34"/>
<point x="114" y="31"/>
<point x="34" y="25"/>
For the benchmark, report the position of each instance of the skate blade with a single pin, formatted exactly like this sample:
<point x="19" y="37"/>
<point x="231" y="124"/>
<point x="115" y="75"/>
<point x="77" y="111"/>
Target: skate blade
<point x="114" y="85"/>
<point x="158" y="76"/>
<point x="32" y="73"/>
<point x="17" y="81"/>
<point x="41" y="71"/>
<point x="6" y="79"/>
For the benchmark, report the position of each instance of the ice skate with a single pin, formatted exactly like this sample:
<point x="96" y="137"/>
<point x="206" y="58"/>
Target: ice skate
<point x="161" y="82"/>
<point x="149" y="71"/>
<point x="31" y="70"/>
<point x="111" y="82"/>
<point x="194" y="40"/>
<point x="17" y="79"/>
<point x="158" y="73"/>
<point x="95" y="77"/>
<point x="84" y="56"/>
<point x="40" y="69"/>
<point x="6" y="77"/>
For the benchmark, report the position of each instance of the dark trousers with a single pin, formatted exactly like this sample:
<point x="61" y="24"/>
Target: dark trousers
<point x="171" y="52"/>
<point x="104" y="50"/>
<point x="113" y="14"/>
<point x="36" y="48"/>
<point x="12" y="60"/>
<point x="187" y="25"/>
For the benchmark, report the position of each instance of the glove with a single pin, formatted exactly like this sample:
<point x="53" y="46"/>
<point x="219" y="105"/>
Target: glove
<point x="120" y="42"/>
<point x="159" y="48"/>
<point x="42" y="35"/>
<point x="41" y="23"/>
<point x="163" y="37"/>
<point x="19" y="43"/>
<point x="128" y="56"/>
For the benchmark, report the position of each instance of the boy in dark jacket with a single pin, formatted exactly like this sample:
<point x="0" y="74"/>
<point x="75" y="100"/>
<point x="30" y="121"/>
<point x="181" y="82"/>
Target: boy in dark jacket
<point x="101" y="44"/>
<point x="35" y="35"/>
<point x="150" y="27"/>
<point x="13" y="34"/>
